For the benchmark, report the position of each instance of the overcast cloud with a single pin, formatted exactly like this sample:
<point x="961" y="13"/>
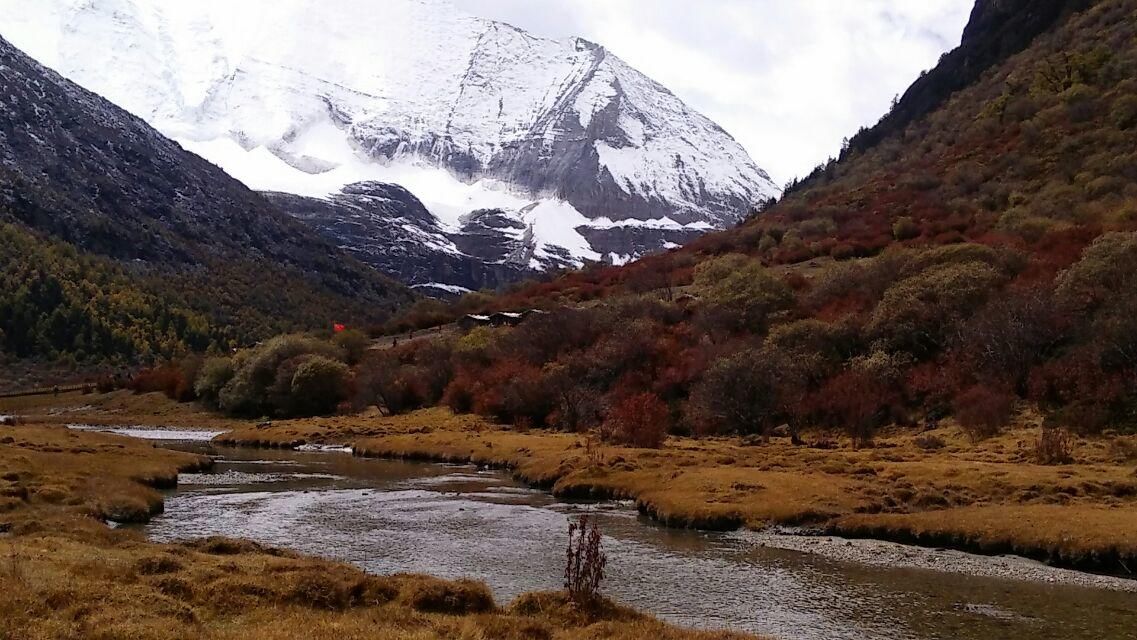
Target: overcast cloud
<point x="787" y="78"/>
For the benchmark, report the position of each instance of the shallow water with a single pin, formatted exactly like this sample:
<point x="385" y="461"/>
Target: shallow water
<point x="458" y="521"/>
<point x="148" y="433"/>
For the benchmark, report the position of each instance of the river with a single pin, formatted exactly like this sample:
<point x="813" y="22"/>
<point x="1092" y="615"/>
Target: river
<point x="458" y="521"/>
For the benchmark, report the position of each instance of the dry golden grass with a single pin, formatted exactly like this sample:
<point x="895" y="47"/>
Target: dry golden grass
<point x="988" y="496"/>
<point x="51" y="471"/>
<point x="121" y="407"/>
<point x="114" y="585"/>
<point x="64" y="574"/>
<point x="1093" y="537"/>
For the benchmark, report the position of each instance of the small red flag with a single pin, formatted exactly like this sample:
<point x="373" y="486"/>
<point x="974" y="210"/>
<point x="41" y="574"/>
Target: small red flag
<point x="337" y="327"/>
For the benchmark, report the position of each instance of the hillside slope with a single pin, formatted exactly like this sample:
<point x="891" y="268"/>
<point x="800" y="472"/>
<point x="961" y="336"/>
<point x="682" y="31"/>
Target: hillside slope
<point x="58" y="302"/>
<point x="1036" y="153"/>
<point x="996" y="30"/>
<point x="979" y="258"/>
<point x="76" y="167"/>
<point x="1037" y="150"/>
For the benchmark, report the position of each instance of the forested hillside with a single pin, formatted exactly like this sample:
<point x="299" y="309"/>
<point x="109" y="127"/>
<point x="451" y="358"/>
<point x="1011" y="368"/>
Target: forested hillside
<point x="973" y="262"/>
<point x="57" y="302"/>
<point x="163" y="243"/>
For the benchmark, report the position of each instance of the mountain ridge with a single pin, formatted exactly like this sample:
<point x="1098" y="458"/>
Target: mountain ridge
<point x="495" y="119"/>
<point x="995" y="30"/>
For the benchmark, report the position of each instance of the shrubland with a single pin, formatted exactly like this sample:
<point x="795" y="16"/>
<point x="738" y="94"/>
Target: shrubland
<point x="291" y="375"/>
<point x="905" y="338"/>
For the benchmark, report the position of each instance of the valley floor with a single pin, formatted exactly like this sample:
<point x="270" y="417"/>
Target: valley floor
<point x="64" y="574"/>
<point x="932" y="489"/>
<point x="984" y="497"/>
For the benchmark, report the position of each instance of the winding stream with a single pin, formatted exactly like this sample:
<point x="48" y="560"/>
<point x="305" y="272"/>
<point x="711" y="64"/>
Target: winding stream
<point x="458" y="521"/>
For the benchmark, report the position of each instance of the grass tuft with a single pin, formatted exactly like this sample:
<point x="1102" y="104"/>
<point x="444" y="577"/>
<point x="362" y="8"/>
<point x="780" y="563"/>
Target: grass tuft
<point x="431" y="595"/>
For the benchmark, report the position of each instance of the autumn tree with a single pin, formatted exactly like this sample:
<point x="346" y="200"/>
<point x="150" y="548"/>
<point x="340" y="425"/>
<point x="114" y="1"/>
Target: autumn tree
<point x="260" y="376"/>
<point x="317" y="386"/>
<point x="354" y="344"/>
<point x="738" y="394"/>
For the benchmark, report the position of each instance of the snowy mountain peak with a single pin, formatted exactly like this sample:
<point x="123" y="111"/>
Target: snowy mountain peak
<point x="307" y="96"/>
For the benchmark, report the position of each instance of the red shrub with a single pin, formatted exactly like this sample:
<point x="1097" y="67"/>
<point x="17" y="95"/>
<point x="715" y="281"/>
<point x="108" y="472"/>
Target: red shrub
<point x="1085" y="397"/>
<point x="932" y="383"/>
<point x="843" y="251"/>
<point x="167" y="379"/>
<point x="584" y="561"/>
<point x="856" y="402"/>
<point x="675" y="378"/>
<point x="459" y="394"/>
<point x="1057" y="250"/>
<point x="509" y="391"/>
<point x="983" y="411"/>
<point x="796" y="281"/>
<point x="106" y="384"/>
<point x="639" y="421"/>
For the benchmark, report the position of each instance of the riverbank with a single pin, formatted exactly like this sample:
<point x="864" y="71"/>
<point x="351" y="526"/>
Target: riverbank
<point x="453" y="520"/>
<point x="892" y="555"/>
<point x="986" y="497"/>
<point x="66" y="574"/>
<point x="935" y="489"/>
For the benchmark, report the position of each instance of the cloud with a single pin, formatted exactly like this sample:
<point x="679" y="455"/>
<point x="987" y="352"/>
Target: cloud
<point x="788" y="80"/>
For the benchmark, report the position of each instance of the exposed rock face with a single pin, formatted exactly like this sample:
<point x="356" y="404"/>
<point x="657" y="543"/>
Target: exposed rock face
<point x="385" y="226"/>
<point x="82" y="169"/>
<point x="296" y="96"/>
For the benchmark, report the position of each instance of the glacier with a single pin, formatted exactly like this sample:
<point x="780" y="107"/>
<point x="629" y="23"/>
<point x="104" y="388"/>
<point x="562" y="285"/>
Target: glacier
<point x="571" y="146"/>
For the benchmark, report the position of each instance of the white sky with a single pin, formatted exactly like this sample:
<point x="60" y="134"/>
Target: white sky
<point x="787" y="78"/>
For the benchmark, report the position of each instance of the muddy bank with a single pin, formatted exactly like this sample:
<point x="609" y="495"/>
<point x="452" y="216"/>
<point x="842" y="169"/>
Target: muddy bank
<point x="1112" y="563"/>
<point x="883" y="553"/>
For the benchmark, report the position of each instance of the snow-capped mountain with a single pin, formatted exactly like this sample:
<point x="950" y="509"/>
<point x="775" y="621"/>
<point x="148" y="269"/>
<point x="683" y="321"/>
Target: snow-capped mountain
<point x="579" y="156"/>
<point x="78" y="169"/>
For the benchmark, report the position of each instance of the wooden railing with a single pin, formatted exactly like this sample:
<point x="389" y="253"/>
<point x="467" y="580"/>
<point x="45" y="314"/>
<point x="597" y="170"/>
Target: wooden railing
<point x="44" y="391"/>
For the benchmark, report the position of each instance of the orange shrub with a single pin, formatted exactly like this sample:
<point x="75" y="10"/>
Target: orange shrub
<point x="509" y="391"/>
<point x="167" y="379"/>
<point x="856" y="402"/>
